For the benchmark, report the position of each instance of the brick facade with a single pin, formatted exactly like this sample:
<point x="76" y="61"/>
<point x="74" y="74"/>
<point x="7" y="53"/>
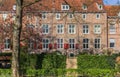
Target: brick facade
<point x="77" y="33"/>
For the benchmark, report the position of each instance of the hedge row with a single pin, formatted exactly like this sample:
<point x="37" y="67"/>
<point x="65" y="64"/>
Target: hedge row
<point x="96" y="61"/>
<point x="62" y="73"/>
<point x="42" y="61"/>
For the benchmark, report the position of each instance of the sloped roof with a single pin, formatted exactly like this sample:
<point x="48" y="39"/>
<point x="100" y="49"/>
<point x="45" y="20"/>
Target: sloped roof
<point x="6" y="5"/>
<point x="55" y="5"/>
<point x="112" y="10"/>
<point x="75" y="5"/>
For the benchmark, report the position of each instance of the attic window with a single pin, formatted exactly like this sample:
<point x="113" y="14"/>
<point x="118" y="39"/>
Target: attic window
<point x="65" y="7"/>
<point x="100" y="6"/>
<point x="14" y="7"/>
<point x="84" y="7"/>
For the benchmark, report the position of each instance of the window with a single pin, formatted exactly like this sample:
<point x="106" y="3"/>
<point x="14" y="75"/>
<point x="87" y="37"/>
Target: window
<point x="97" y="16"/>
<point x="85" y="43"/>
<point x="65" y="7"/>
<point x="100" y="6"/>
<point x="14" y="7"/>
<point x="58" y="16"/>
<point x="4" y="16"/>
<point x="112" y="29"/>
<point x="70" y="15"/>
<point x="84" y="7"/>
<point x="45" y="43"/>
<point x="72" y="43"/>
<point x="85" y="29"/>
<point x="60" y="28"/>
<point x="97" y="43"/>
<point x="71" y="29"/>
<point x="59" y="43"/>
<point x="84" y="16"/>
<point x="97" y="29"/>
<point x="7" y="43"/>
<point x="44" y="15"/>
<point x="45" y="29"/>
<point x="30" y="44"/>
<point x="112" y="43"/>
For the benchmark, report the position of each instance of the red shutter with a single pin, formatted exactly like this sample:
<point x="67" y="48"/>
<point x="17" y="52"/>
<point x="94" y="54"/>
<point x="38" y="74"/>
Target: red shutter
<point x="40" y="46"/>
<point x="35" y="45"/>
<point x="77" y="46"/>
<point x="22" y="44"/>
<point x="55" y="45"/>
<point x="2" y="46"/>
<point x="66" y="46"/>
<point x="50" y="46"/>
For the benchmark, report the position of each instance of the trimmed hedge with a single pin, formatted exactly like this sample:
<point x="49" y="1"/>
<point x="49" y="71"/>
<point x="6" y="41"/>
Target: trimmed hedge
<point x="46" y="63"/>
<point x="5" y="72"/>
<point x="96" y="61"/>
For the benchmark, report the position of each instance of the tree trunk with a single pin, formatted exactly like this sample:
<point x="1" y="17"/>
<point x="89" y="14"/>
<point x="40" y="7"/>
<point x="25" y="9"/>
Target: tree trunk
<point x="16" y="40"/>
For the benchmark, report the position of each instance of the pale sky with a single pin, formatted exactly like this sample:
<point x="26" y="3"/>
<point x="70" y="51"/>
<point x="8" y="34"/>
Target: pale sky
<point x="111" y="2"/>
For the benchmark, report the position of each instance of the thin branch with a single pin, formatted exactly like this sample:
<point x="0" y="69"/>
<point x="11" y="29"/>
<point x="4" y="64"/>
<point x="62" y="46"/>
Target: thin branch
<point x="31" y="3"/>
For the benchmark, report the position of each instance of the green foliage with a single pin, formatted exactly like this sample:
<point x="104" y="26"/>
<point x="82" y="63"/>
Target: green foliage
<point x="45" y="64"/>
<point x="96" y="61"/>
<point x="5" y="72"/>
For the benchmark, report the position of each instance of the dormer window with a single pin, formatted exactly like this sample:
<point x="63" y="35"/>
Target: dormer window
<point x="14" y="7"/>
<point x="65" y="7"/>
<point x="84" y="7"/>
<point x="100" y="6"/>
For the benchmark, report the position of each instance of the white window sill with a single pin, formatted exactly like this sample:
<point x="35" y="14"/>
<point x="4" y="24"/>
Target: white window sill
<point x="7" y="49"/>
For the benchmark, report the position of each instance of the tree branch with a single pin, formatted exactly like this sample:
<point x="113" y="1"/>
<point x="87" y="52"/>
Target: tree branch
<point x="31" y="3"/>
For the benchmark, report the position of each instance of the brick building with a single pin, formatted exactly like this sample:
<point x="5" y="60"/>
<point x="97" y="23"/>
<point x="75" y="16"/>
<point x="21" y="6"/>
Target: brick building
<point x="63" y="25"/>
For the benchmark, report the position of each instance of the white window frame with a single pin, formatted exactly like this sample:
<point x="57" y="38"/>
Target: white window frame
<point x="71" y="43"/>
<point x="60" y="43"/>
<point x="58" y="15"/>
<point x="97" y="29"/>
<point x="45" y="27"/>
<point x="71" y="29"/>
<point x="98" y="16"/>
<point x="112" y="41"/>
<point x="84" y="7"/>
<point x="45" y="44"/>
<point x="112" y="29"/>
<point x="97" y="43"/>
<point x="65" y="7"/>
<point x="85" y="29"/>
<point x="85" y="43"/>
<point x="70" y="15"/>
<point x="14" y="7"/>
<point x="100" y="6"/>
<point x="7" y="44"/>
<point x="4" y="16"/>
<point x="30" y="44"/>
<point x="44" y="15"/>
<point x="84" y="16"/>
<point x="60" y="28"/>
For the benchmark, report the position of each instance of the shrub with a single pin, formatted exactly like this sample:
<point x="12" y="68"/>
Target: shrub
<point x="95" y="61"/>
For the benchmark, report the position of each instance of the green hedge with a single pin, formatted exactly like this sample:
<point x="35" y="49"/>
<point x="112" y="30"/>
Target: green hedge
<point x="43" y="62"/>
<point x="5" y="72"/>
<point x="96" y="61"/>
